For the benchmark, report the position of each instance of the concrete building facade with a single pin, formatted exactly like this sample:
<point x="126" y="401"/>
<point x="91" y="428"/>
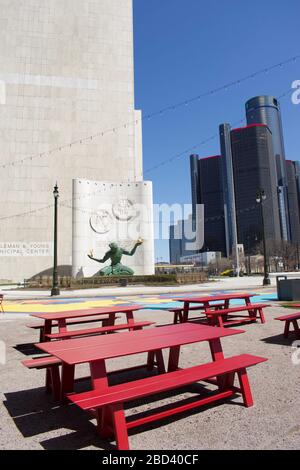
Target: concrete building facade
<point x="66" y="73"/>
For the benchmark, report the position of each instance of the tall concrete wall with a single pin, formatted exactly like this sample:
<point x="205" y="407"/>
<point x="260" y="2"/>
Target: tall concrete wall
<point x="66" y="72"/>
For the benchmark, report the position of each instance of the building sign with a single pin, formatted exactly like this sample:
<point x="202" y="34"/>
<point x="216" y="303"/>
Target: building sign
<point x="22" y="249"/>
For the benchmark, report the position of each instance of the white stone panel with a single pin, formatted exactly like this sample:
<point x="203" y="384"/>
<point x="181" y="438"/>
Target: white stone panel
<point x="105" y="212"/>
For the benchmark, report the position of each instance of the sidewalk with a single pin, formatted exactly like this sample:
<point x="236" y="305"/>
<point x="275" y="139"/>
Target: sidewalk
<point x="242" y="283"/>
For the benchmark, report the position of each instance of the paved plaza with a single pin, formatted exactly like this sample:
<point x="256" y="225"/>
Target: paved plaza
<point x="31" y="419"/>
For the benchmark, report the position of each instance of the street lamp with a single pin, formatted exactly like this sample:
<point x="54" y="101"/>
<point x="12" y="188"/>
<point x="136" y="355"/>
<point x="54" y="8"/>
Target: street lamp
<point x="260" y="198"/>
<point x="55" y="288"/>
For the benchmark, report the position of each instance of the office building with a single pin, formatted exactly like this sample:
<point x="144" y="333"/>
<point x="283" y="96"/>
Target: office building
<point x="293" y="201"/>
<point x="254" y="168"/>
<point x="207" y="189"/>
<point x="228" y="190"/>
<point x="266" y="110"/>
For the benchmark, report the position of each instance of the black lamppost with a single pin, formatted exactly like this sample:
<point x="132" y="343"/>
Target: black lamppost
<point x="260" y="198"/>
<point x="55" y="288"/>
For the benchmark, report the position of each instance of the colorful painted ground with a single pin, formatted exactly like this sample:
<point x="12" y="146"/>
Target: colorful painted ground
<point x="158" y="302"/>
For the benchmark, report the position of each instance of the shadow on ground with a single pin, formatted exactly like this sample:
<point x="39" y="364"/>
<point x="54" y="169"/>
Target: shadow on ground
<point x="27" y="349"/>
<point x="34" y="413"/>
<point x="280" y="340"/>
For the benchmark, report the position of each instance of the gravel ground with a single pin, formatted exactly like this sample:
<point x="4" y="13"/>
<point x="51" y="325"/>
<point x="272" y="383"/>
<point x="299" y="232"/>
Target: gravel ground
<point x="29" y="419"/>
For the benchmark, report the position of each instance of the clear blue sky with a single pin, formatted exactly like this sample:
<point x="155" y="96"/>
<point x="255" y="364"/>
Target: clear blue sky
<point x="185" y="47"/>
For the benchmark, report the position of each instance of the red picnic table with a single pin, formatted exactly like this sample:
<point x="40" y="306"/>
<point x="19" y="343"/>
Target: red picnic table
<point x="60" y="319"/>
<point x="217" y="308"/>
<point x="108" y="400"/>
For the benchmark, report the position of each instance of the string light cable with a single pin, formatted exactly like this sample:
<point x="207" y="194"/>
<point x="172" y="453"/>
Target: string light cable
<point x="163" y="163"/>
<point x="154" y="114"/>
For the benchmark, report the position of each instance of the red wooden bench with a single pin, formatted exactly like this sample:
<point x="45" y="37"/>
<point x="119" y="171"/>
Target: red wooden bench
<point x="51" y="364"/>
<point x="112" y="401"/>
<point x="288" y="319"/>
<point x="178" y="311"/>
<point x="98" y="331"/>
<point x="217" y="317"/>
<point x="76" y="321"/>
<point x="60" y="318"/>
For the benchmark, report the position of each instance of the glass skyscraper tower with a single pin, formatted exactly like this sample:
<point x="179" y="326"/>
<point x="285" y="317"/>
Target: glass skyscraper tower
<point x="266" y="110"/>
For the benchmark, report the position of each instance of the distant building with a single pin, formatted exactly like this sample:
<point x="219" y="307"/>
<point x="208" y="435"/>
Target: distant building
<point x="179" y="240"/>
<point x="207" y="189"/>
<point x="202" y="259"/>
<point x="228" y="188"/>
<point x="293" y="201"/>
<point x="266" y="110"/>
<point x="254" y="168"/>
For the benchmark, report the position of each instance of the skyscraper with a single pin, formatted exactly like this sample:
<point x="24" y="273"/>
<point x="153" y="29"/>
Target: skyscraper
<point x="254" y="168"/>
<point x="266" y="110"/>
<point x="67" y="72"/>
<point x="228" y="189"/>
<point x="196" y="197"/>
<point x="293" y="202"/>
<point x="207" y="189"/>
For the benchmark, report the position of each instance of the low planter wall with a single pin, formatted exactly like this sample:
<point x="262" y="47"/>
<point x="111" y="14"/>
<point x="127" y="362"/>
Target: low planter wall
<point x="92" y="282"/>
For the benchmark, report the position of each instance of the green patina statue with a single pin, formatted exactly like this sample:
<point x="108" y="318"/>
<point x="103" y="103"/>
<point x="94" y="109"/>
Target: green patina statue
<point x="115" y="255"/>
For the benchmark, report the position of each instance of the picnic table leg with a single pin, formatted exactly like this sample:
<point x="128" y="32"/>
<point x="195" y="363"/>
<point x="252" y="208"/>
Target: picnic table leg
<point x="186" y="308"/>
<point x="67" y="380"/>
<point x="110" y="321"/>
<point x="47" y="329"/>
<point x="130" y="319"/>
<point x="98" y="375"/>
<point x="178" y="318"/>
<point x="296" y="328"/>
<point x="216" y="349"/>
<point x="104" y="415"/>
<point x="220" y="321"/>
<point x="261" y="315"/>
<point x="62" y="325"/>
<point x="245" y="388"/>
<point x="217" y="355"/>
<point x="287" y="328"/>
<point x="252" y="313"/>
<point x="53" y="379"/>
<point x="156" y="358"/>
<point x="119" y="423"/>
<point x="174" y="358"/>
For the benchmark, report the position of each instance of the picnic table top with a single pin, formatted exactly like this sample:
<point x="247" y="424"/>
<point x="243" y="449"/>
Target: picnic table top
<point x="94" y="348"/>
<point x="60" y="315"/>
<point x="216" y="298"/>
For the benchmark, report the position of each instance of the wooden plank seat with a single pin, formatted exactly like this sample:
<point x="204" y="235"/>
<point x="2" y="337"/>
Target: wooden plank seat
<point x="178" y="311"/>
<point x="288" y="319"/>
<point x="71" y="321"/>
<point x="217" y="317"/>
<point x="101" y="330"/>
<point x="51" y="364"/>
<point x="110" y="403"/>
